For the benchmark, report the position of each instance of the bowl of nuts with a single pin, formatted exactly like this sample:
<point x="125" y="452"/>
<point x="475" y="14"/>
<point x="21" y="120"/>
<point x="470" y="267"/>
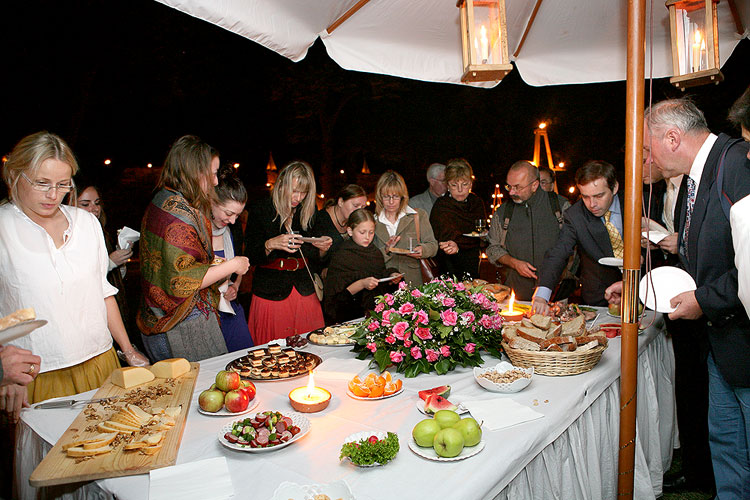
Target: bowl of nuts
<point x="504" y="377"/>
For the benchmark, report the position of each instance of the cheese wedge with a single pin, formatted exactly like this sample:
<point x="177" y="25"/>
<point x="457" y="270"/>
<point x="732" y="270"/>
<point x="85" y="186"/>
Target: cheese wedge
<point x="99" y="438"/>
<point x="171" y="368"/>
<point x="130" y="376"/>
<point x="79" y="451"/>
<point x="105" y="439"/>
<point x="139" y="413"/>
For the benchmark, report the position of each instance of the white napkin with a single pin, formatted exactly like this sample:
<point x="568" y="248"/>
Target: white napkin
<point x="126" y="237"/>
<point x="224" y="305"/>
<point x="340" y="369"/>
<point x="500" y="413"/>
<point x="201" y="480"/>
<point x="654" y="236"/>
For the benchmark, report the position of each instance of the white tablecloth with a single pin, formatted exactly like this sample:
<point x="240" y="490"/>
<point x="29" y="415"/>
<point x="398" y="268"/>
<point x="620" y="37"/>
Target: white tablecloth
<point x="570" y="453"/>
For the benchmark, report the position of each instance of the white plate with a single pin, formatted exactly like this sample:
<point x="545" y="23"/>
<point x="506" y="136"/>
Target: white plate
<point x="515" y="386"/>
<point x="310" y="239"/>
<point x="20" y="329"/>
<point x="225" y="413"/>
<point x="389" y="278"/>
<point x="610" y="261"/>
<point x="358" y="436"/>
<point x="298" y="419"/>
<point x="478" y="235"/>
<point x="460" y="410"/>
<point x="353" y="396"/>
<point x="431" y="454"/>
<point x="668" y="282"/>
<point x="337" y="489"/>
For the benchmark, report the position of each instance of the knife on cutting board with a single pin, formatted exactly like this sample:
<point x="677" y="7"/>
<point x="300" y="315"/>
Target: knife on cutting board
<point x="68" y="403"/>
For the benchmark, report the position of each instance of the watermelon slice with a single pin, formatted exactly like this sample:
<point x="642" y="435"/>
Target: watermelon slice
<point x="443" y="390"/>
<point x="435" y="403"/>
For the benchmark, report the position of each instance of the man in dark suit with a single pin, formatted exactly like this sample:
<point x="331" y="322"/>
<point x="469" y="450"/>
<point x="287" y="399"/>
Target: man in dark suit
<point x="594" y="224"/>
<point x="678" y="141"/>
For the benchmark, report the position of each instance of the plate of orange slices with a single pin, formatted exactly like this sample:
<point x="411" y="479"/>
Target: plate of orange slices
<point x="374" y="387"/>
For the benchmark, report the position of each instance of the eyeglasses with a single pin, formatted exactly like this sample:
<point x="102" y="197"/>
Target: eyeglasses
<point x="46" y="187"/>
<point x="517" y="187"/>
<point x="392" y="197"/>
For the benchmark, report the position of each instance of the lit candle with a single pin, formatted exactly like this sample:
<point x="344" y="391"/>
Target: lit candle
<point x="510" y="314"/>
<point x="485" y="44"/>
<point x="697" y="51"/>
<point x="309" y="399"/>
<point x="704" y="55"/>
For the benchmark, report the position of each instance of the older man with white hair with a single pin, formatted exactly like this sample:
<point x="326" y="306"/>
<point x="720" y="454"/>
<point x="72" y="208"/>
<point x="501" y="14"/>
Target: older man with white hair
<point x="437" y="188"/>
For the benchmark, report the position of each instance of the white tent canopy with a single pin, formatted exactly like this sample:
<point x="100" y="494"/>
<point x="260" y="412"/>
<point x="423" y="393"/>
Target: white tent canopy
<point x="570" y="41"/>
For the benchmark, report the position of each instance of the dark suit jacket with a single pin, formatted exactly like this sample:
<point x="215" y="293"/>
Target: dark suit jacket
<point x="711" y="261"/>
<point x="583" y="229"/>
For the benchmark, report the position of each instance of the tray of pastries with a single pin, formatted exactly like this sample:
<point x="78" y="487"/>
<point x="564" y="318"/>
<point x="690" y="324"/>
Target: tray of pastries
<point x="274" y="363"/>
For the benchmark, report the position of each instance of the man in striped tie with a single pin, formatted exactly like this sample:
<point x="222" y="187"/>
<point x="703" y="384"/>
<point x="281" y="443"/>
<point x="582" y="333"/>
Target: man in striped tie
<point x="715" y="168"/>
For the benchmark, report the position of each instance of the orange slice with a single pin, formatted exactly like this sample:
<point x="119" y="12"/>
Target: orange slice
<point x="370" y="379"/>
<point x="387" y="376"/>
<point x="361" y="390"/>
<point x="376" y="391"/>
<point x="381" y="381"/>
<point x="356" y="380"/>
<point x="399" y="383"/>
<point x="389" y="388"/>
<point x="352" y="385"/>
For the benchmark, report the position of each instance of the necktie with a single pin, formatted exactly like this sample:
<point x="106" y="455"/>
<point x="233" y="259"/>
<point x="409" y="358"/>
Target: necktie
<point x="668" y="213"/>
<point x="689" y="214"/>
<point x="614" y="236"/>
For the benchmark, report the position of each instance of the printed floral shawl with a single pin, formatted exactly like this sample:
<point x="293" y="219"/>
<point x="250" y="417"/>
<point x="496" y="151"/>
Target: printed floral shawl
<point x="176" y="253"/>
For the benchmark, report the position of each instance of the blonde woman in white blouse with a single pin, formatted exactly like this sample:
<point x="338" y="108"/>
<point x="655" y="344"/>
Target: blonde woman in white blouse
<point x="53" y="258"/>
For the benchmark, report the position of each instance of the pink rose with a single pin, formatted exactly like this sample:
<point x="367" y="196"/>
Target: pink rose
<point x="423" y="333"/>
<point x="459" y="286"/>
<point x="416" y="293"/>
<point x="402" y="285"/>
<point x="468" y="317"/>
<point x="449" y="302"/>
<point x="387" y="316"/>
<point x="406" y="309"/>
<point x="390" y="339"/>
<point x="400" y="329"/>
<point x="431" y="355"/>
<point x="422" y="317"/>
<point x="388" y="299"/>
<point x="449" y="317"/>
<point x="407" y="343"/>
<point x="374" y="325"/>
<point x="372" y="347"/>
<point x="397" y="356"/>
<point x="445" y="351"/>
<point x="469" y="347"/>
<point x="415" y="352"/>
<point x="485" y="321"/>
<point x="379" y="307"/>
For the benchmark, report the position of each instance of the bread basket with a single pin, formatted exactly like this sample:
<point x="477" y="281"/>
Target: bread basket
<point x="553" y="363"/>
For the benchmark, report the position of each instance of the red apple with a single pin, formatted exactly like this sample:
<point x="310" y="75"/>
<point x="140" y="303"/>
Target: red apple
<point x="236" y="401"/>
<point x="214" y="388"/>
<point x="249" y="388"/>
<point x="211" y="401"/>
<point x="227" y="380"/>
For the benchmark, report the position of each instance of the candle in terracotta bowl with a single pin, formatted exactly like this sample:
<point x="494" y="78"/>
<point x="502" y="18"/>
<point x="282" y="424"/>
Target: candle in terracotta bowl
<point x="309" y="399"/>
<point x="511" y="314"/>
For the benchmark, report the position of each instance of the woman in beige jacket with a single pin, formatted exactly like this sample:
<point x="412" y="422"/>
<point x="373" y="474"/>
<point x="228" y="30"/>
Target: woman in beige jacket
<point x="396" y="228"/>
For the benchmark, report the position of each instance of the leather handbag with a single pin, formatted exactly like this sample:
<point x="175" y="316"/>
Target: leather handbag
<point x="428" y="266"/>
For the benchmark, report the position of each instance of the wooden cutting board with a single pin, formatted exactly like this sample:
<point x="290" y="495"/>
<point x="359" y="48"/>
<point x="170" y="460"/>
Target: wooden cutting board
<point x="58" y="468"/>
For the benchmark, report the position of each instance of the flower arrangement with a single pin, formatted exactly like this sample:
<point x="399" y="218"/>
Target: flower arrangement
<point x="436" y="327"/>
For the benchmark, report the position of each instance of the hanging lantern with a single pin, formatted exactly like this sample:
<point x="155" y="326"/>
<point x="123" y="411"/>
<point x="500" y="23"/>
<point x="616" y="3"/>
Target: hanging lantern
<point x="484" y="37"/>
<point x="695" y="42"/>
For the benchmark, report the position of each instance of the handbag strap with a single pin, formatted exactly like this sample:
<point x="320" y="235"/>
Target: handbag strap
<point x="416" y="224"/>
<point x="309" y="273"/>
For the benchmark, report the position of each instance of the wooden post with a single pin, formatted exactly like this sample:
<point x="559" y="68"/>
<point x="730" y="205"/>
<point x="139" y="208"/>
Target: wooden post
<point x="632" y="240"/>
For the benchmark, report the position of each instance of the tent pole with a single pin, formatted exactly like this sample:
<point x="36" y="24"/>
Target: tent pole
<point x="349" y="13"/>
<point x="632" y="229"/>
<point x="528" y="27"/>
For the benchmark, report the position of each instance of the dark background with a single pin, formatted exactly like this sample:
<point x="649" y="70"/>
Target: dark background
<point x="122" y="79"/>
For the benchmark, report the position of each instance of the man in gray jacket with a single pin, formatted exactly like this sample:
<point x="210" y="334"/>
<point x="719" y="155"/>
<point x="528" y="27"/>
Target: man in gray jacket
<point x="524" y="229"/>
<point x="436" y="178"/>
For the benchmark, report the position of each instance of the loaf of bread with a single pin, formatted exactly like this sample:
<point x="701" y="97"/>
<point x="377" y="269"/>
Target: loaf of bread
<point x="17" y="317"/>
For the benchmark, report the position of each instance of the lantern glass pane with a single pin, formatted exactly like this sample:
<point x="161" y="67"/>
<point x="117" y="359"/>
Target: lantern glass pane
<point x="487" y="43"/>
<point x="691" y="40"/>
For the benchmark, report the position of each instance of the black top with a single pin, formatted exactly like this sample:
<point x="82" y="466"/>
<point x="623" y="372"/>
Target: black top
<point x="271" y="284"/>
<point x="324" y="226"/>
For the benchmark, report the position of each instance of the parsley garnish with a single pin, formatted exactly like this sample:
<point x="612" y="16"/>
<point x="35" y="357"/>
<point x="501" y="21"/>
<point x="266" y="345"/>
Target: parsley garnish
<point x="363" y="452"/>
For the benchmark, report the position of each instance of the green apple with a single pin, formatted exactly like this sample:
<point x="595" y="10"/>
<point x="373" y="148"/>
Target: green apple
<point x="470" y="430"/>
<point x="424" y="432"/>
<point x="448" y="442"/>
<point x="446" y="418"/>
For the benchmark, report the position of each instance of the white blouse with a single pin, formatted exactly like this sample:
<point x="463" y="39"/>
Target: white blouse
<point x="392" y="227"/>
<point x="66" y="286"/>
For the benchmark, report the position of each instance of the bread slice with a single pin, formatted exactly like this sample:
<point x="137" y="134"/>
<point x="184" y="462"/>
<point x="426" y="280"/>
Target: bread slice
<point x="554" y="331"/>
<point x="527" y="323"/>
<point x="588" y="346"/>
<point x="585" y="339"/>
<point x="575" y="327"/>
<point x="533" y="331"/>
<point x="80" y="451"/>
<point x="509" y="332"/>
<point x="557" y="340"/>
<point x="523" y="344"/>
<point x="541" y="321"/>
<point x="17" y="317"/>
<point x="532" y="338"/>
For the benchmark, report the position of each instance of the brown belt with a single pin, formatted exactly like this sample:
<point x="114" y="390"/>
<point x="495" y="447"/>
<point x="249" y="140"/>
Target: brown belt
<point x="282" y="264"/>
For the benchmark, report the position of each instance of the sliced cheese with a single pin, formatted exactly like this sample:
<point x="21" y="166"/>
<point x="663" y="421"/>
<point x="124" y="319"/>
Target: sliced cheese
<point x="171" y="368"/>
<point x="79" y="451"/>
<point x="130" y="376"/>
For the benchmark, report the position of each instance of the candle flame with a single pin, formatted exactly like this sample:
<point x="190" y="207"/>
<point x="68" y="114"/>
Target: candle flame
<point x="698" y="37"/>
<point x="511" y="301"/>
<point x="310" y="385"/>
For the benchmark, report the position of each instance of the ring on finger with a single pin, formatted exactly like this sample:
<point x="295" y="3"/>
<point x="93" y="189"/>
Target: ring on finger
<point x="32" y="367"/>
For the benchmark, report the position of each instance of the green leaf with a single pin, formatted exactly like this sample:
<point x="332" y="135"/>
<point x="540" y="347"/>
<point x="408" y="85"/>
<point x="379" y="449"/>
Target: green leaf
<point x="442" y="366"/>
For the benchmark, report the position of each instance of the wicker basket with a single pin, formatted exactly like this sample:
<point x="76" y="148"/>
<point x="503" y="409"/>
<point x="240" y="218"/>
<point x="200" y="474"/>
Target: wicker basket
<point x="556" y="364"/>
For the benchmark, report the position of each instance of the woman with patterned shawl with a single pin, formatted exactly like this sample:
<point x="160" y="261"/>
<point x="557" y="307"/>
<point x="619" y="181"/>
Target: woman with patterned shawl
<point x="178" y="311"/>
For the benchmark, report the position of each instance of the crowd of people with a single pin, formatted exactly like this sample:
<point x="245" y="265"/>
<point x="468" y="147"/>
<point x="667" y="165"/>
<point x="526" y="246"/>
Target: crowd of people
<point x="315" y="267"/>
